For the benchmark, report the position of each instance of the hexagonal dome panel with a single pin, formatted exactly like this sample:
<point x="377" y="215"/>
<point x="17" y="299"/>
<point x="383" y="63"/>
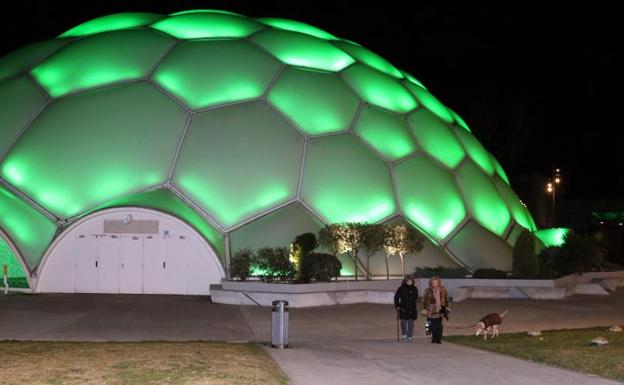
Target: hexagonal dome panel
<point x="429" y="197"/>
<point x="290" y="127"/>
<point x="101" y="59"/>
<point x="379" y="89"/>
<point x="239" y="161"/>
<point x="386" y="132"/>
<point x="207" y="24"/>
<point x="436" y="138"/>
<point x="303" y="50"/>
<point x="318" y="103"/>
<point x="21" y="60"/>
<point x="344" y="182"/>
<point x="205" y="73"/>
<point x="86" y="149"/>
<point x="23" y="101"/>
<point x="484" y="201"/>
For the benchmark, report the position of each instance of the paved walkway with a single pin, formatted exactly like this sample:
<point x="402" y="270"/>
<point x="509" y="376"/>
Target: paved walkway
<point x="352" y="344"/>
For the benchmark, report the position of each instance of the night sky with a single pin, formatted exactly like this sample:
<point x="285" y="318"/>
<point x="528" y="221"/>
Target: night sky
<point x="540" y="87"/>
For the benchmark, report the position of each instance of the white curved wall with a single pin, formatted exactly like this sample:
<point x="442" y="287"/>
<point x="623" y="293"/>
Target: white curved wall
<point x="85" y="259"/>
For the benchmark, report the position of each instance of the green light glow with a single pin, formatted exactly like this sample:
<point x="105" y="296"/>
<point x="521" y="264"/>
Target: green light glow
<point x="7" y="258"/>
<point x="238" y="161"/>
<point x="370" y="58"/>
<point x="58" y="163"/>
<point x="344" y="182"/>
<point x="387" y="133"/>
<point x="458" y="119"/>
<point x="518" y="210"/>
<point x="413" y="79"/>
<point x="167" y="202"/>
<point x="379" y="89"/>
<point x="30" y="230"/>
<point x="296" y="26"/>
<point x="499" y="169"/>
<point x="26" y="57"/>
<point x="101" y="59"/>
<point x="429" y="197"/>
<point x="112" y="23"/>
<point x="303" y="50"/>
<point x="317" y="102"/>
<point x="205" y="73"/>
<point x="484" y="201"/>
<point x="553" y="237"/>
<point x="436" y="138"/>
<point x="430" y="102"/>
<point x="199" y="25"/>
<point x="476" y="151"/>
<point x="191" y="11"/>
<point x="21" y="101"/>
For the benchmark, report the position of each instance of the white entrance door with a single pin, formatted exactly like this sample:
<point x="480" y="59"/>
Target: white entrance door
<point x="176" y="271"/>
<point x="85" y="271"/>
<point x="108" y="264"/>
<point x="131" y="276"/>
<point x="202" y="271"/>
<point x="154" y="264"/>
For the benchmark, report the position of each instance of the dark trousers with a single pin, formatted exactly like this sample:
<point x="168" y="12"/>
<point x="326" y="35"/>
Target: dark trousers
<point x="407" y="327"/>
<point x="436" y="329"/>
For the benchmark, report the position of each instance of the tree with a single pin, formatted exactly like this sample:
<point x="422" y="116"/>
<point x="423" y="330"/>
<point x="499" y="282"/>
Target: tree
<point x="372" y="242"/>
<point x="343" y="238"/>
<point x="303" y="245"/>
<point x="402" y="240"/>
<point x="240" y="265"/>
<point x="525" y="260"/>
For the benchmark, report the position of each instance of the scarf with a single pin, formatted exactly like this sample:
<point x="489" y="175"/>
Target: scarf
<point x="436" y="294"/>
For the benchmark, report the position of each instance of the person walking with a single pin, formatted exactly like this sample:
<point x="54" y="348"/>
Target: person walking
<point x="405" y="304"/>
<point x="435" y="307"/>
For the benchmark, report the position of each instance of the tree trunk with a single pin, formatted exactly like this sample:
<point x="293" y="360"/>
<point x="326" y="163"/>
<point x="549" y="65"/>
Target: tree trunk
<point x="387" y="268"/>
<point x="355" y="266"/>
<point x="368" y="273"/>
<point x="402" y="264"/>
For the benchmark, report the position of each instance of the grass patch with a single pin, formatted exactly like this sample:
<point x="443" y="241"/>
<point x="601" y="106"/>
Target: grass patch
<point x="569" y="349"/>
<point x="129" y="363"/>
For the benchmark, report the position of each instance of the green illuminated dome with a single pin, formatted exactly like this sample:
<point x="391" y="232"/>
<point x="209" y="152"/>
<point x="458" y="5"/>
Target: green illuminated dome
<point x="251" y="130"/>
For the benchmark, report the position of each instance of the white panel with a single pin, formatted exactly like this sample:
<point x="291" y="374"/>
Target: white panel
<point x="125" y="265"/>
<point x="177" y="272"/>
<point x="131" y="277"/>
<point x="154" y="253"/>
<point x="86" y="273"/>
<point x="108" y="264"/>
<point x="202" y="271"/>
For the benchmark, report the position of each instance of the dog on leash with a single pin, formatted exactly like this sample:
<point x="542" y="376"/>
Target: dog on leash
<point x="489" y="324"/>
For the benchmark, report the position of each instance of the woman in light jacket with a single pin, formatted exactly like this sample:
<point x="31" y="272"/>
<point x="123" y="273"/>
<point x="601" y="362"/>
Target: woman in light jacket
<point x="435" y="302"/>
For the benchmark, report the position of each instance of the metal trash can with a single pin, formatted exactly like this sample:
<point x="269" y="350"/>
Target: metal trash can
<point x="279" y="325"/>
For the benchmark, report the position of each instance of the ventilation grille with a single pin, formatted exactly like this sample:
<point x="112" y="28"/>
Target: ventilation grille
<point x="116" y="226"/>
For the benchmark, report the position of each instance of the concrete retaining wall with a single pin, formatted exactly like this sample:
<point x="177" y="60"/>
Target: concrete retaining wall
<point x="382" y="291"/>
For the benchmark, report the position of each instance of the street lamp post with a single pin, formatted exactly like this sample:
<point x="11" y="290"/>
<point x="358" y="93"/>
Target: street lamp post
<point x="551" y="188"/>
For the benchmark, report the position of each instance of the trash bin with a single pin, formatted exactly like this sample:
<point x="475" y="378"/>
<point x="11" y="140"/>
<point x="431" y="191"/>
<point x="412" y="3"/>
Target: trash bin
<point x="279" y="325"/>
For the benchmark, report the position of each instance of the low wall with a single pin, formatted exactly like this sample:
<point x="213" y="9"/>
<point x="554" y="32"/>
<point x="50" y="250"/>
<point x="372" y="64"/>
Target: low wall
<point x="382" y="291"/>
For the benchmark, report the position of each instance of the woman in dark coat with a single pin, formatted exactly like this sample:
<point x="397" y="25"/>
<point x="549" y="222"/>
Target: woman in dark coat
<point x="405" y="303"/>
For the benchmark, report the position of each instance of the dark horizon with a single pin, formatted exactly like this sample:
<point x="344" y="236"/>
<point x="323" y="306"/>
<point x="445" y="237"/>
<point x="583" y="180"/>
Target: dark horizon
<point x="538" y="85"/>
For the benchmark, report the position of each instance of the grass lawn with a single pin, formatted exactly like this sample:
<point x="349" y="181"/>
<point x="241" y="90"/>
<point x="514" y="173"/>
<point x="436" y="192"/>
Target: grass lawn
<point x="141" y="363"/>
<point x="569" y="349"/>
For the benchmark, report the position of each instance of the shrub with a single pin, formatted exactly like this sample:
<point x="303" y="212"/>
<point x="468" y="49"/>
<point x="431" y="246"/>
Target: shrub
<point x="525" y="260"/>
<point x="440" y="271"/>
<point x="319" y="267"/>
<point x="273" y="264"/>
<point x="489" y="274"/>
<point x="240" y="264"/>
<point x="578" y="254"/>
<point x="303" y="244"/>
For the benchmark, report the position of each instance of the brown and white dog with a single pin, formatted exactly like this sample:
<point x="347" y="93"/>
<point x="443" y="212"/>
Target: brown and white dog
<point x="489" y="324"/>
